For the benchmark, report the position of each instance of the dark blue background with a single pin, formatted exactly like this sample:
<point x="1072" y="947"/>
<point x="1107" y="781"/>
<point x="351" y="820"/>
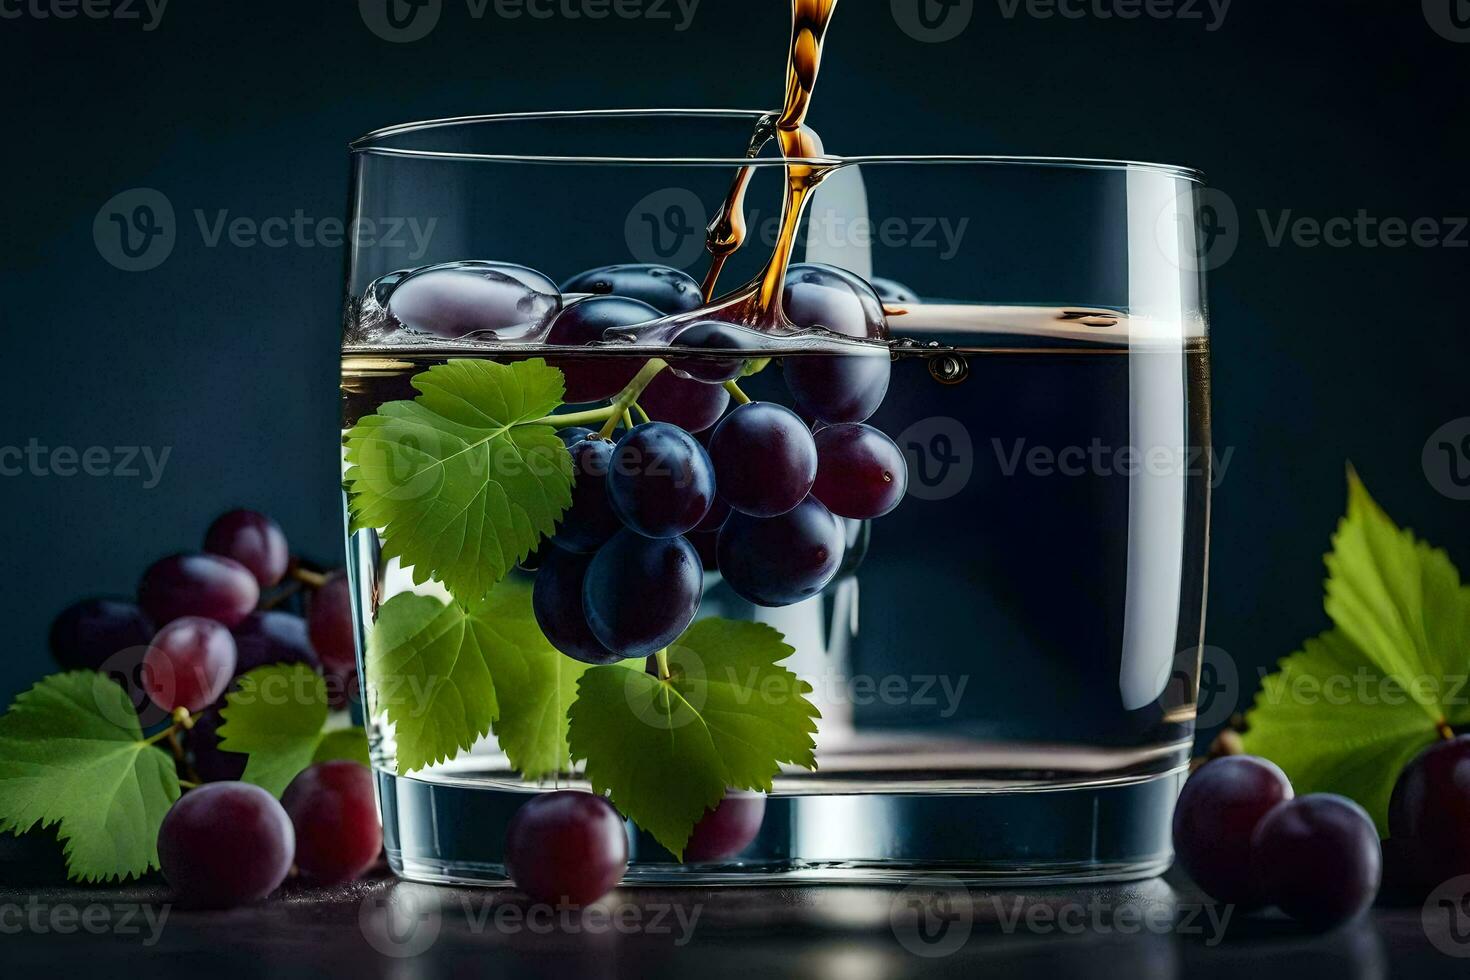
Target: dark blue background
<point x="228" y="355"/>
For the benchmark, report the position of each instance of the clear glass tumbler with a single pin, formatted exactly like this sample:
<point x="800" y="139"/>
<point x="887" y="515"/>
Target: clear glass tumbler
<point x="1005" y="665"/>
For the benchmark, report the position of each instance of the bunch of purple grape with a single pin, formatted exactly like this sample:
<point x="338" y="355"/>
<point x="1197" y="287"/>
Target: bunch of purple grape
<point x="201" y="621"/>
<point x="760" y="493"/>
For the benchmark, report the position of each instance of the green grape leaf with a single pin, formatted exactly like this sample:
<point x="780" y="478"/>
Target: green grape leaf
<point x="1349" y="711"/>
<point x="72" y="753"/>
<point x="665" y="751"/>
<point x="275" y="716"/>
<point x="462" y="481"/>
<point x="343" y="743"/>
<point x="535" y="683"/>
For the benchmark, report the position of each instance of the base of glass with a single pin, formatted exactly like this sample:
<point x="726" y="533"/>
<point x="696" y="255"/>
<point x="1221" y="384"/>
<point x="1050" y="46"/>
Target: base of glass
<point x="1103" y="831"/>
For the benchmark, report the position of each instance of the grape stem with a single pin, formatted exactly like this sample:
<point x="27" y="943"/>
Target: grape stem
<point x="1445" y="731"/>
<point x="642" y="414"/>
<point x="736" y="393"/>
<point x="307" y="577"/>
<point x="662" y="657"/>
<point x="630" y="394"/>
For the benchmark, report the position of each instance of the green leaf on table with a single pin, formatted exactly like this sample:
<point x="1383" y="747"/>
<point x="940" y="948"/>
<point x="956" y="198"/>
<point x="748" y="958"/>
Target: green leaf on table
<point x="342" y="743"/>
<point x="71" y="753"/>
<point x="275" y="716"/>
<point x="665" y="751"/>
<point x="462" y="481"/>
<point x="1350" y="710"/>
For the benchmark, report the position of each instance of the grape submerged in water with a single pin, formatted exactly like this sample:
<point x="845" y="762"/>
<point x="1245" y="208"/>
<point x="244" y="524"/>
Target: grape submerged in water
<point x="1217" y="813"/>
<point x="765" y="459"/>
<point x="90" y="633"/>
<point x="211" y="586"/>
<point x="725" y="831"/>
<point x="664" y="288"/>
<point x="566" y="847"/>
<point x="779" y="561"/>
<point x="253" y="540"/>
<point x="189" y="664"/>
<point x="332" y="811"/>
<point x="1430" y="810"/>
<point x="691" y="405"/>
<point x="590" y="521"/>
<point x="1317" y="858"/>
<point x="225" y="844"/>
<point x="584" y="323"/>
<point x="556" y="600"/>
<point x="661" y="482"/>
<point x="861" y="473"/>
<point x="329" y="624"/>
<point x="836" y="388"/>
<point x="712" y="335"/>
<point x="641" y="593"/>
<point x="479" y="300"/>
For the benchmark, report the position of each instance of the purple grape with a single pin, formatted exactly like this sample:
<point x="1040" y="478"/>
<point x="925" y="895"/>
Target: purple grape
<point x="595" y="377"/>
<point x="691" y="405"/>
<point x="892" y="291"/>
<point x="484" y="300"/>
<point x="861" y="473"/>
<point x="1317" y="858"/>
<point x="211" y="763"/>
<point x="335" y="818"/>
<point x="189" y="664"/>
<point x="833" y="299"/>
<point x="225" y="844"/>
<point x="556" y="599"/>
<point x="726" y="830"/>
<point x="1218" y="810"/>
<point x="661" y="482"/>
<point x="90" y="633"/>
<point x="837" y="388"/>
<point x="664" y="288"/>
<point x="272" y="637"/>
<point x="765" y="459"/>
<point x="329" y="624"/>
<point x="590" y="521"/>
<point x="566" y="847"/>
<point x="1430" y="807"/>
<point x="253" y="540"/>
<point x="640" y="594"/>
<point x="778" y="561"/>
<point x="211" y="586"/>
<point x="714" y="336"/>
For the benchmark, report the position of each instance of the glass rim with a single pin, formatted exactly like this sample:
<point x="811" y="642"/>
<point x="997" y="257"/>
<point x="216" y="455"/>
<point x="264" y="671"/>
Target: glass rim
<point x="370" y="145"/>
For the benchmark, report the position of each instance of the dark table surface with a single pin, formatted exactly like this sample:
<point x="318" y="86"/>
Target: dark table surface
<point x="381" y="927"/>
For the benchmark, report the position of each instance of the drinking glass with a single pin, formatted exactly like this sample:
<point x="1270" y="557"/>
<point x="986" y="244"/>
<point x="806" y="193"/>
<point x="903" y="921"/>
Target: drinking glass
<point x="1006" y="665"/>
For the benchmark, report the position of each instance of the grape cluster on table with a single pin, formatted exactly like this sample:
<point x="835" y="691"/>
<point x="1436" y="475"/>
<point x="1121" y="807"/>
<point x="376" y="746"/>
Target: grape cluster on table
<point x="762" y="493"/>
<point x="200" y="621"/>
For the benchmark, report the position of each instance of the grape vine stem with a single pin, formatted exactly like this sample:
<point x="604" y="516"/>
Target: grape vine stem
<point x="662" y="657"/>
<point x="735" y="393"/>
